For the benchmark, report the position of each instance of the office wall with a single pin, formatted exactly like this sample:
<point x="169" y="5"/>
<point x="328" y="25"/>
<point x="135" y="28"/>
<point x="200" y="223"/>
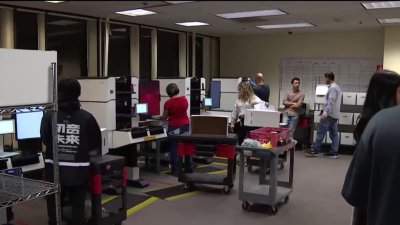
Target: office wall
<point x="391" y="58"/>
<point x="247" y="55"/>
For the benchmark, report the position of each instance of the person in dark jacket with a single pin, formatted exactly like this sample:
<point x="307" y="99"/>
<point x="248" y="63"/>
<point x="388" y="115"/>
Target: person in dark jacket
<point x="382" y="93"/>
<point x="260" y="88"/>
<point x="78" y="134"/>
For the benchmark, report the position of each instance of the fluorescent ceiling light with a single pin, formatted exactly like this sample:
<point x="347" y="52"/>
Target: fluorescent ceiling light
<point x="269" y="12"/>
<point x="136" y="12"/>
<point x="291" y="25"/>
<point x="177" y="2"/>
<point x="391" y="20"/>
<point x="381" y="5"/>
<point x="54" y="1"/>
<point x="192" y="24"/>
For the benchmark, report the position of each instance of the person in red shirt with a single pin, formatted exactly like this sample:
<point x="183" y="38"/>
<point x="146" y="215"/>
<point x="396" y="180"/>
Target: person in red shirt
<point x="175" y="111"/>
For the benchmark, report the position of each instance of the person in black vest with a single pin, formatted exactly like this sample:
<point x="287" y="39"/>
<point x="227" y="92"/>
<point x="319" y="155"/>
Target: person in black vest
<point x="261" y="89"/>
<point x="78" y="134"/>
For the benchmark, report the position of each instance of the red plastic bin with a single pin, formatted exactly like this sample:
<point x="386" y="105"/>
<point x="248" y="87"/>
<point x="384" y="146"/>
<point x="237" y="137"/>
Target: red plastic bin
<point x="272" y="134"/>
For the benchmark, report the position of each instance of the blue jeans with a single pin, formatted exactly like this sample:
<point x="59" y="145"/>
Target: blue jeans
<point x="173" y="150"/>
<point x="291" y="121"/>
<point x="328" y="124"/>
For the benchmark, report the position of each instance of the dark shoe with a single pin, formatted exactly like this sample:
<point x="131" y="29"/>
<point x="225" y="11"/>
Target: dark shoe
<point x="311" y="154"/>
<point x="331" y="155"/>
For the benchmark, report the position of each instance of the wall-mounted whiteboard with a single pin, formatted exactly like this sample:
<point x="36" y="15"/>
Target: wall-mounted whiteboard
<point x="26" y="77"/>
<point x="352" y="75"/>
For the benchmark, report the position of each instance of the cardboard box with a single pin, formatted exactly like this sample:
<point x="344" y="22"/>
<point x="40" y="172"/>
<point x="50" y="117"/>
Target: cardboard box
<point x="349" y="98"/>
<point x="200" y="124"/>
<point x="261" y="118"/>
<point x="346" y="118"/>
<point x="361" y="98"/>
<point x="347" y="139"/>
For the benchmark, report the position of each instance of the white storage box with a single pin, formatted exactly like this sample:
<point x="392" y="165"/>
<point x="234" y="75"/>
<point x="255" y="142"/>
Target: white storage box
<point x="361" y="98"/>
<point x="346" y="139"/>
<point x="349" y="98"/>
<point x="261" y="118"/>
<point x="317" y="117"/>
<point x="346" y="118"/>
<point x="355" y="118"/>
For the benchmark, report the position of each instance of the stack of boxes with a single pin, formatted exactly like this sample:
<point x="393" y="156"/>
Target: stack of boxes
<point x="351" y="107"/>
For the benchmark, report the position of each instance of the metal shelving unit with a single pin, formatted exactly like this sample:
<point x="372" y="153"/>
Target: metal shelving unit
<point x="15" y="190"/>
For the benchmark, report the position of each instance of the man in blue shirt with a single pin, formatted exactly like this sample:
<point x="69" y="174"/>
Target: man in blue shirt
<point x="329" y="119"/>
<point x="261" y="90"/>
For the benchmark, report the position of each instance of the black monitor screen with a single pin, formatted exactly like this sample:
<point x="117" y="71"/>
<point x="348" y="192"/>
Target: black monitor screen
<point x="28" y="125"/>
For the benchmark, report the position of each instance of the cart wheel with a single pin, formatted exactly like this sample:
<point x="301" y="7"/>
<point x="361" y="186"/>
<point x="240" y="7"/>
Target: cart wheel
<point x="286" y="199"/>
<point x="246" y="205"/>
<point x="226" y="189"/>
<point x="272" y="210"/>
<point x="281" y="166"/>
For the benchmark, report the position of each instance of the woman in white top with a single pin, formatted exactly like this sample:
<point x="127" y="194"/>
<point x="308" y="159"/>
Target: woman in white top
<point x="246" y="100"/>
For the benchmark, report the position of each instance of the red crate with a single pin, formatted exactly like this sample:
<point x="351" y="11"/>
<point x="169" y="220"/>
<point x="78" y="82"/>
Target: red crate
<point x="272" y="134"/>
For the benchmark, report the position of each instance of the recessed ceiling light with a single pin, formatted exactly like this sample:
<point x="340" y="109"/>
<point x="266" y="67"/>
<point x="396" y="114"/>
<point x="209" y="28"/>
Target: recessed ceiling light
<point x="54" y="1"/>
<point x="381" y="5"/>
<point x="291" y="25"/>
<point x="192" y="24"/>
<point x="391" y="20"/>
<point x="178" y="2"/>
<point x="136" y="12"/>
<point x="269" y="12"/>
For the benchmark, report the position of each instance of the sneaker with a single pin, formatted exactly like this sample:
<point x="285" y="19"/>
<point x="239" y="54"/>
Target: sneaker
<point x="331" y="155"/>
<point x="311" y="154"/>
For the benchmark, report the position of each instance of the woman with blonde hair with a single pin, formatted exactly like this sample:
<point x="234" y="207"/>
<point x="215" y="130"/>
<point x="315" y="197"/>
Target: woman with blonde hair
<point x="246" y="100"/>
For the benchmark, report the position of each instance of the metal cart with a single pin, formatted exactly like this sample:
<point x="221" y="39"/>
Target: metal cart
<point x="224" y="147"/>
<point x="267" y="192"/>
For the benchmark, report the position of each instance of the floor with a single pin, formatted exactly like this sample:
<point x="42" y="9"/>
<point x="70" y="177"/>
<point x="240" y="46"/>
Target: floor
<point x="315" y="200"/>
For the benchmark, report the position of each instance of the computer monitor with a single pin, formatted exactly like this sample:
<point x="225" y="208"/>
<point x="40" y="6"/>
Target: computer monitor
<point x="141" y="108"/>
<point x="208" y="102"/>
<point x="28" y="124"/>
<point x="7" y="126"/>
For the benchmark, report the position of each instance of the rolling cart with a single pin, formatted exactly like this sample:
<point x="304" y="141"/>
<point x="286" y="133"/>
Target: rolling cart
<point x="224" y="147"/>
<point x="258" y="134"/>
<point x="107" y="171"/>
<point x="268" y="191"/>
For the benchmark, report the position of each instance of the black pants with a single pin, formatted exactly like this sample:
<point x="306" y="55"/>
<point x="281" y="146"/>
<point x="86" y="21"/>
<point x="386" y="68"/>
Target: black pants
<point x="76" y="199"/>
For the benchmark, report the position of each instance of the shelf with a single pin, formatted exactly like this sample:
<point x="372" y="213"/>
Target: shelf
<point x="15" y="190"/>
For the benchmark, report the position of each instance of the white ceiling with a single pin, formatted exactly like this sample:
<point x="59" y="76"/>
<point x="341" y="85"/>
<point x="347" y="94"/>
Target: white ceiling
<point x="325" y="15"/>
